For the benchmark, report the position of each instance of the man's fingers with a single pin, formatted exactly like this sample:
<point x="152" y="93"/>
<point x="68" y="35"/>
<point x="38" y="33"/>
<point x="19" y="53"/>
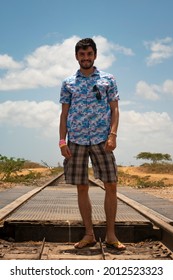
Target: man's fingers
<point x="109" y="146"/>
<point x="65" y="151"/>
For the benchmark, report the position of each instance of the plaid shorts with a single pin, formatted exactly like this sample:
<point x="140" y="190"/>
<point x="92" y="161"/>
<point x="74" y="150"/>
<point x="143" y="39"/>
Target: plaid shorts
<point x="103" y="163"/>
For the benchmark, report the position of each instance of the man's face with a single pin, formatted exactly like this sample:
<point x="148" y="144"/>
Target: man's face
<point x="86" y="57"/>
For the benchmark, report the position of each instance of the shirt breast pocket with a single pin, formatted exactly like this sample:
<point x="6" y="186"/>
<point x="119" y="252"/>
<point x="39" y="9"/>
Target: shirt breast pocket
<point x="103" y="88"/>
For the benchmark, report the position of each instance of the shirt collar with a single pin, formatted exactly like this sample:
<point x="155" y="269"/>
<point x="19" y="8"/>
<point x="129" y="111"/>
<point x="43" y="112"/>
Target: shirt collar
<point x="95" y="73"/>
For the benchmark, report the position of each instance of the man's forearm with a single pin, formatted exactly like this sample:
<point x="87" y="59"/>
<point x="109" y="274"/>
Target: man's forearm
<point x="63" y="121"/>
<point x="63" y="127"/>
<point x="114" y="118"/>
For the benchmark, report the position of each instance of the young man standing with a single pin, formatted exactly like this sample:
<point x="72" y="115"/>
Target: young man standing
<point x="90" y="117"/>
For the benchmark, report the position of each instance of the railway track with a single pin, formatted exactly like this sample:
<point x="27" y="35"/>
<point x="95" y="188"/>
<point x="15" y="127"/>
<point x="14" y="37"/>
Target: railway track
<point x="156" y="245"/>
<point x="146" y="250"/>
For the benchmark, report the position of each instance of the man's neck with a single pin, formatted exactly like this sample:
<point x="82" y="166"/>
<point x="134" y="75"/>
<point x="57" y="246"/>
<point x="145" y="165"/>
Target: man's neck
<point x="87" y="72"/>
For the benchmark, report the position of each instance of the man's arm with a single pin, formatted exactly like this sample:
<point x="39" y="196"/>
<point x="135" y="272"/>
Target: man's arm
<point x="111" y="142"/>
<point x="114" y="116"/>
<point x="65" y="151"/>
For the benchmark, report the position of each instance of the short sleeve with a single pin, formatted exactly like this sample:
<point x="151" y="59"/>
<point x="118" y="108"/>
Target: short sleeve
<point x="112" y="92"/>
<point x="65" y="95"/>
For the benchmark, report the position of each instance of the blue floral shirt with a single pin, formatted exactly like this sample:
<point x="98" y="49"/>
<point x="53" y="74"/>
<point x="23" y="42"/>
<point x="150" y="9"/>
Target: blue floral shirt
<point x="89" y="116"/>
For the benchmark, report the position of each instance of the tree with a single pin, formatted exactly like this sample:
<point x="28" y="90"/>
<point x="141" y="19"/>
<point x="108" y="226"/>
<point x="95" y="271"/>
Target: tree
<point x="10" y="165"/>
<point x="154" y="157"/>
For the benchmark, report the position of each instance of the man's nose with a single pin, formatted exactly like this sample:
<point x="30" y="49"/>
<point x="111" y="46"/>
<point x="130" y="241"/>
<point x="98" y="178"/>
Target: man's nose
<point x="86" y="56"/>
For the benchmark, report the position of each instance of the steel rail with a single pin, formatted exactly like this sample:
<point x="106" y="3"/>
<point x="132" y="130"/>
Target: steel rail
<point x="41" y="250"/>
<point x="152" y="215"/>
<point x="159" y="220"/>
<point x="8" y="209"/>
<point x="101" y="248"/>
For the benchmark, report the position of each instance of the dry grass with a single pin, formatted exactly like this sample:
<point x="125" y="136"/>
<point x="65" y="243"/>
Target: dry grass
<point x="158" y="168"/>
<point x="145" y="178"/>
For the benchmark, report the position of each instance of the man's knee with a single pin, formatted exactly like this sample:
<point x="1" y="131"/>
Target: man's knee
<point x="82" y="188"/>
<point x="110" y="187"/>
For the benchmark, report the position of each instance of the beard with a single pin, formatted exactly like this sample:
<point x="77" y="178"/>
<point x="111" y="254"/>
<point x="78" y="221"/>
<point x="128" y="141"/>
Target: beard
<point x="86" y="64"/>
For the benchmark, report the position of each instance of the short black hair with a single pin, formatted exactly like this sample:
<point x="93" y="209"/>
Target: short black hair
<point x="85" y="43"/>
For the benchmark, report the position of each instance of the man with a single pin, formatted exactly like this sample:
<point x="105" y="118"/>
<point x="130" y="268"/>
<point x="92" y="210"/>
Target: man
<point x="90" y="117"/>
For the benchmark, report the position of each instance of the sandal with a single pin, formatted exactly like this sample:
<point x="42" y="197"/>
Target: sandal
<point x="85" y="243"/>
<point x="115" y="245"/>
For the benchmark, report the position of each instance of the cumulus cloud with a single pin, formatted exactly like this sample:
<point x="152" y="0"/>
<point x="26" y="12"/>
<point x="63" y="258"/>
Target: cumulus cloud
<point x="147" y="91"/>
<point x="45" y="114"/>
<point x="45" y="67"/>
<point x="149" y="131"/>
<point x="107" y="50"/>
<point x="7" y="62"/>
<point x="147" y="122"/>
<point x="161" y="49"/>
<point x="30" y="114"/>
<point x="168" y="87"/>
<point x="153" y="92"/>
<point x="49" y="64"/>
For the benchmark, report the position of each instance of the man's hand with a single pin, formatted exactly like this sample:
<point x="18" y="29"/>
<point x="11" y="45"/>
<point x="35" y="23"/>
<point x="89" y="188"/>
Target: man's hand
<point x="110" y="144"/>
<point x="65" y="151"/>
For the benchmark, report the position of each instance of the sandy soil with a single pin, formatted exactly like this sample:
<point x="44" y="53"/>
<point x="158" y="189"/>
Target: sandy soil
<point x="164" y="192"/>
<point x="44" y="171"/>
<point x="167" y="178"/>
<point x="46" y="175"/>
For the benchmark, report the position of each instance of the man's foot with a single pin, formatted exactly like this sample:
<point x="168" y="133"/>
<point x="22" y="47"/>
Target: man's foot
<point x="87" y="241"/>
<point x="115" y="245"/>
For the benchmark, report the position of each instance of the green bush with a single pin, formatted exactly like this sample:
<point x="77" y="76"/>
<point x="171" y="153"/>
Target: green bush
<point x="9" y="166"/>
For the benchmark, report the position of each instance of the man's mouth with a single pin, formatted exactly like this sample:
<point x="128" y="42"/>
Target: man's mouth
<point x="83" y="61"/>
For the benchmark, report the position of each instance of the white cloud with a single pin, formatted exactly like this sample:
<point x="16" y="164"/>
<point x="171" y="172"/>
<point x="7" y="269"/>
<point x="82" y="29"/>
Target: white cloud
<point x="49" y="64"/>
<point x="7" y="62"/>
<point x="105" y="56"/>
<point x="143" y="132"/>
<point x="123" y="50"/>
<point x="45" y="114"/>
<point x="153" y="91"/>
<point x="30" y="114"/>
<point x="45" y="67"/>
<point x="168" y="87"/>
<point x="149" y="131"/>
<point x="146" y="122"/>
<point x="161" y="49"/>
<point x="107" y="50"/>
<point x="147" y="91"/>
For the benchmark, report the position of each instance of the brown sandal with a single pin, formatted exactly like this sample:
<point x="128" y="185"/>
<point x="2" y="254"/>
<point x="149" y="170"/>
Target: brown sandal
<point x="115" y="245"/>
<point x="85" y="243"/>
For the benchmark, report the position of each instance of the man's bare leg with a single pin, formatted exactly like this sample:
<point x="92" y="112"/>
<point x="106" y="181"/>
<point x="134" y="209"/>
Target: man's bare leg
<point x="110" y="211"/>
<point x="86" y="214"/>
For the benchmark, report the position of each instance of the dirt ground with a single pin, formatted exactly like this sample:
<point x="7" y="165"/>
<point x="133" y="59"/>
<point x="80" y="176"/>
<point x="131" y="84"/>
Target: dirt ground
<point x="45" y="176"/>
<point x="165" y="192"/>
<point x="167" y="178"/>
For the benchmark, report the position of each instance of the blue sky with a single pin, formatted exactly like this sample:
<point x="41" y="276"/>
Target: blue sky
<point x="135" y="43"/>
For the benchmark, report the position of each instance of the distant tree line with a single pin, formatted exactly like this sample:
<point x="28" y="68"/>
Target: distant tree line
<point x="154" y="157"/>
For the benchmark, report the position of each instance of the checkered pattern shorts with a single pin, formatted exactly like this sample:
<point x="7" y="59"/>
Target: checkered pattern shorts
<point x="103" y="163"/>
